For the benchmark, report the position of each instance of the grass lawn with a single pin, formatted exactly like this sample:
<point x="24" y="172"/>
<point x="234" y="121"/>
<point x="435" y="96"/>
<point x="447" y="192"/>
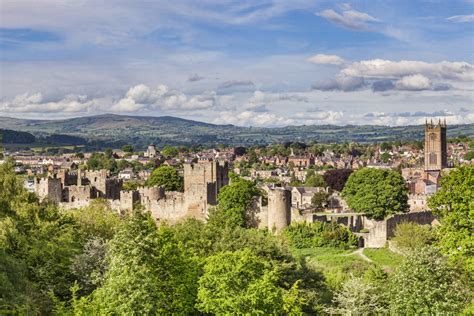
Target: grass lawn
<point x="385" y="258"/>
<point x="337" y="265"/>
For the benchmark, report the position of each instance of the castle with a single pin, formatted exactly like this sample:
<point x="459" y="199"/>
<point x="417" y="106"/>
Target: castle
<point x="202" y="183"/>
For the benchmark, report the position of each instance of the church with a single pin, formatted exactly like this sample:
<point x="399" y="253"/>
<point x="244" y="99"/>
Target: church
<point x="426" y="180"/>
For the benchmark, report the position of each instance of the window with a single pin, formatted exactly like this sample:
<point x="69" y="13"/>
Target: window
<point x="432" y="159"/>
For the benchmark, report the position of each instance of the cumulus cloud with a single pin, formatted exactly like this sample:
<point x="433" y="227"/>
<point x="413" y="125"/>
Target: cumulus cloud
<point x="322" y="59"/>
<point x="342" y="83"/>
<point x="350" y="19"/>
<point x="417" y="114"/>
<point x="461" y="18"/>
<point x="413" y="82"/>
<point x="252" y="118"/>
<point x="138" y="97"/>
<point x="380" y="68"/>
<point x="162" y="97"/>
<point x="318" y="117"/>
<point x="34" y="102"/>
<point x="385" y="75"/>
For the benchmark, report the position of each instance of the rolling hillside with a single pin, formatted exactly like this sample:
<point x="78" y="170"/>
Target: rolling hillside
<point x="110" y="129"/>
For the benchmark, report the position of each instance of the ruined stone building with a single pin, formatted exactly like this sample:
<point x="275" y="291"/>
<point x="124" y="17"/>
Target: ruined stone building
<point x="202" y="183"/>
<point x="77" y="188"/>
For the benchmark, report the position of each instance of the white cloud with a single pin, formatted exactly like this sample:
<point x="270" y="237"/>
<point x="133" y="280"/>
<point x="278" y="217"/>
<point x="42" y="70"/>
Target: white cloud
<point x="380" y="68"/>
<point x="34" y="102"/>
<point x="413" y="82"/>
<point x="251" y="118"/>
<point x="409" y="75"/>
<point x="349" y="19"/>
<point x="461" y="18"/>
<point x="341" y="82"/>
<point x="261" y="97"/>
<point x="320" y="117"/>
<point x="322" y="59"/>
<point x="162" y="97"/>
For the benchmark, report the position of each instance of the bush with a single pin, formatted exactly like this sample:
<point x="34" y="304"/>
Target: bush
<point x="411" y="236"/>
<point x="426" y="285"/>
<point x="319" y="234"/>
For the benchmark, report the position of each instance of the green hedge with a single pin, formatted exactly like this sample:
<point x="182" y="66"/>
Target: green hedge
<point x="319" y="234"/>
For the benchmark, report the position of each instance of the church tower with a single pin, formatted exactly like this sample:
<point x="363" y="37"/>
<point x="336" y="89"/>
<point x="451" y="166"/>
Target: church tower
<point x="436" y="157"/>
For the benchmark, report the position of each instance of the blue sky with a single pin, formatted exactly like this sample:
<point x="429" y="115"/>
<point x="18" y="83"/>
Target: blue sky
<point x="265" y="63"/>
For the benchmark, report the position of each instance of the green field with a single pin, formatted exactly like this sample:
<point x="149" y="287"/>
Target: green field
<point x="338" y="265"/>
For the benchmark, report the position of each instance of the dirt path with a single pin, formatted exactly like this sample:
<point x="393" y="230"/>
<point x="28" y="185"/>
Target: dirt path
<point x="360" y="252"/>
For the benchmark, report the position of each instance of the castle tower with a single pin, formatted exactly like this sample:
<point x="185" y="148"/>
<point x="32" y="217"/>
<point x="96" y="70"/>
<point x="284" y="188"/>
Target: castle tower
<point x="203" y="181"/>
<point x="279" y="208"/>
<point x="436" y="157"/>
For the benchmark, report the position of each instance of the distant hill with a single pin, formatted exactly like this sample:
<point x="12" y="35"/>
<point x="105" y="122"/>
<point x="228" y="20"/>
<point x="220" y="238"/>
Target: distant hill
<point x="114" y="130"/>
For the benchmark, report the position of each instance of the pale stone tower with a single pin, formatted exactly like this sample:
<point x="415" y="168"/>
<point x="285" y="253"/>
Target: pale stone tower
<point x="279" y="209"/>
<point x="436" y="157"/>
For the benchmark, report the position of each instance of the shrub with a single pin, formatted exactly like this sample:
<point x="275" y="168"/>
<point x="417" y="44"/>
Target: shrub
<point x="411" y="236"/>
<point x="319" y="234"/>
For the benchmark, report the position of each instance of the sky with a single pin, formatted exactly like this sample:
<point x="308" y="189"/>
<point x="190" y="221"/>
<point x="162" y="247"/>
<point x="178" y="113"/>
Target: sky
<point x="248" y="63"/>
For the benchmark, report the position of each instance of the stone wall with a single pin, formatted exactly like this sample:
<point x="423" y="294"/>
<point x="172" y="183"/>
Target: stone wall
<point x="380" y="231"/>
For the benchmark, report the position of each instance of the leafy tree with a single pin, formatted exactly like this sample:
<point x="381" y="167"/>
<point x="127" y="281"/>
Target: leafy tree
<point x="376" y="192"/>
<point x="170" y="151"/>
<point x="385" y="157"/>
<point x="148" y="273"/>
<point x="412" y="236"/>
<point x="315" y="180"/>
<point x="469" y="155"/>
<point x="99" y="161"/>
<point x="319" y="234"/>
<point x="236" y="200"/>
<point x="97" y="219"/>
<point x="320" y="200"/>
<point x="240" y="282"/>
<point x="358" y="297"/>
<point x="386" y="146"/>
<point x="336" y="179"/>
<point x="454" y="204"/>
<point x="38" y="237"/>
<point x="127" y="148"/>
<point x="167" y="177"/>
<point x="89" y="266"/>
<point x="426" y="285"/>
<point x="130" y="185"/>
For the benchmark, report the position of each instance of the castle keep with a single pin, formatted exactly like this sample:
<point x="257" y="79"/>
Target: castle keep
<point x="202" y="183"/>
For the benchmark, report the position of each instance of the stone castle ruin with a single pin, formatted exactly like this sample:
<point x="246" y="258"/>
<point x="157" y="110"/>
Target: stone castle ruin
<point x="202" y="183"/>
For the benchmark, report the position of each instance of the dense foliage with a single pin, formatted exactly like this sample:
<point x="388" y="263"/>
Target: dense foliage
<point x="376" y="192"/>
<point x="39" y="246"/>
<point x="236" y="201"/>
<point x="92" y="262"/>
<point x="411" y="236"/>
<point x="336" y="179"/>
<point x="240" y="282"/>
<point x="319" y="234"/>
<point x="167" y="177"/>
<point x="426" y="285"/>
<point x="454" y="203"/>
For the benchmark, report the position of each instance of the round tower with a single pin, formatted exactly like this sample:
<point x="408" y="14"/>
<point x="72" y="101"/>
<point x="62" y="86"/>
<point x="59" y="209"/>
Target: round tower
<point x="279" y="209"/>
